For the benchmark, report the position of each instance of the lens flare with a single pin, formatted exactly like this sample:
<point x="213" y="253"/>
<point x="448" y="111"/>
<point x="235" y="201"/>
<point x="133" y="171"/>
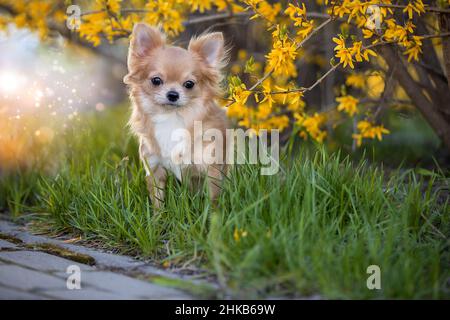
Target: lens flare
<point x="11" y="82"/>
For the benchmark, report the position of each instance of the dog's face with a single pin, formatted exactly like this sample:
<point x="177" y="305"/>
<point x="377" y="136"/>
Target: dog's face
<point x="167" y="77"/>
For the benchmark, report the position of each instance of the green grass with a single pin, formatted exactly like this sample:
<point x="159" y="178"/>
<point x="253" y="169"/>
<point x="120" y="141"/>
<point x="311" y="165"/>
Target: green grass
<point x="313" y="228"/>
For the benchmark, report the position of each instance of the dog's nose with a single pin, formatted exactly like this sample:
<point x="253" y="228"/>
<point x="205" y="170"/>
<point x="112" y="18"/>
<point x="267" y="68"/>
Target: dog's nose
<point x="173" y="96"/>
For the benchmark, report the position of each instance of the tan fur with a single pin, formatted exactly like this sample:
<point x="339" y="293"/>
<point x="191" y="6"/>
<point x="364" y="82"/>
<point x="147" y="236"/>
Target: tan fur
<point x="150" y="56"/>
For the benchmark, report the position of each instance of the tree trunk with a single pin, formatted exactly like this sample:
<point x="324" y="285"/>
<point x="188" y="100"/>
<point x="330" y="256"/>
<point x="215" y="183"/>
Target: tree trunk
<point x="430" y="112"/>
<point x="444" y="23"/>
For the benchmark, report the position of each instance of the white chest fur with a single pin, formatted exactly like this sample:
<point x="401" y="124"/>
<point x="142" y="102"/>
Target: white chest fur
<point x="170" y="134"/>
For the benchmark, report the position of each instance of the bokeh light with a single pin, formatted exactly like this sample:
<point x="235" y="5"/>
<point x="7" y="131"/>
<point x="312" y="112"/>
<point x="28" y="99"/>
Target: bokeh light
<point x="44" y="88"/>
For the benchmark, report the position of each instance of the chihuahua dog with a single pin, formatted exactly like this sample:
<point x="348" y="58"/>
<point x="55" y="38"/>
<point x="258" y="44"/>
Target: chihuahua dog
<point x="173" y="88"/>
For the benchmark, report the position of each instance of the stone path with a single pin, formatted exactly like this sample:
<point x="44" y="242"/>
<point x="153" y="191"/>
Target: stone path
<point x="35" y="267"/>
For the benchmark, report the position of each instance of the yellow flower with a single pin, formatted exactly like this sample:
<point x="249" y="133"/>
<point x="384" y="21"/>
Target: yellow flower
<point x="224" y="5"/>
<point x="311" y="125"/>
<point x="167" y="13"/>
<point x="93" y="26"/>
<point x="292" y="99"/>
<point x="356" y="80"/>
<point x="379" y="131"/>
<point x="281" y="58"/>
<point x="239" y="95"/>
<point x="367" y="33"/>
<point x="200" y="5"/>
<point x="264" y="111"/>
<point x="375" y="85"/>
<point x="341" y="11"/>
<point x="363" y="125"/>
<point x="20" y="20"/>
<point x="340" y="43"/>
<point x="368" y="52"/>
<point x="414" y="49"/>
<point x="306" y="28"/>
<point x="358" y="137"/>
<point x="294" y="12"/>
<point x="349" y="104"/>
<point x="356" y="51"/>
<point x="253" y="3"/>
<point x="264" y="9"/>
<point x="298" y="16"/>
<point x="269" y="11"/>
<point x="416" y="6"/>
<point x="368" y="130"/>
<point x="237" y="234"/>
<point x="409" y="26"/>
<point x="113" y="5"/>
<point x="345" y="57"/>
<point x="267" y="89"/>
<point x="276" y="122"/>
<point x="343" y="53"/>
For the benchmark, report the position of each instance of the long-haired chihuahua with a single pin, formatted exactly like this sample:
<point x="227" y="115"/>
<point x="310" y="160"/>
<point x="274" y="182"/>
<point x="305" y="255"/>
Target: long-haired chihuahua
<point x="173" y="89"/>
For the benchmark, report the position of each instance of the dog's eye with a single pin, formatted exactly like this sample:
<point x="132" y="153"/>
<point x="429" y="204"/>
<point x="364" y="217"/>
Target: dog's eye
<point x="156" y="81"/>
<point x="189" y="84"/>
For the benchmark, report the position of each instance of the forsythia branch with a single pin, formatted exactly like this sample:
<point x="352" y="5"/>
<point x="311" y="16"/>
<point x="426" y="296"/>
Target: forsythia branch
<point x="333" y="68"/>
<point x="268" y="74"/>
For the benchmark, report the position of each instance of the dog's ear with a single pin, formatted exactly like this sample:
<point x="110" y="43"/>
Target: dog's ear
<point x="210" y="47"/>
<point x="145" y="39"/>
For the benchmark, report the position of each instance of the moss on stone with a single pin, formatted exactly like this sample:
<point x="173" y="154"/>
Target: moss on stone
<point x="63" y="253"/>
<point x="11" y="239"/>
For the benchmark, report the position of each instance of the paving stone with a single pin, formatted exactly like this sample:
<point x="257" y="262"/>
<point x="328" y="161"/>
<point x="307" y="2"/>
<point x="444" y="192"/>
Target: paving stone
<point x="96" y="284"/>
<point x="12" y="294"/>
<point x="7" y="227"/>
<point x="128" y="287"/>
<point x="6" y="244"/>
<point x="19" y="278"/>
<point x="40" y="260"/>
<point x="103" y="259"/>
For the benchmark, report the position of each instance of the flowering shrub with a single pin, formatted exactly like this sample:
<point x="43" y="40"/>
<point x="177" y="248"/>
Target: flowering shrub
<point x="383" y="36"/>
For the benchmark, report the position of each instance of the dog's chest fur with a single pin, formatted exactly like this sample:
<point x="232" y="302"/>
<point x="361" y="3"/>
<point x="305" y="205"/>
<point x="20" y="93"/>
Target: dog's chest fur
<point x="169" y="132"/>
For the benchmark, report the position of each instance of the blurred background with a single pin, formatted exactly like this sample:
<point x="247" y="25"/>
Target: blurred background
<point x="52" y="87"/>
<point x="45" y="88"/>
